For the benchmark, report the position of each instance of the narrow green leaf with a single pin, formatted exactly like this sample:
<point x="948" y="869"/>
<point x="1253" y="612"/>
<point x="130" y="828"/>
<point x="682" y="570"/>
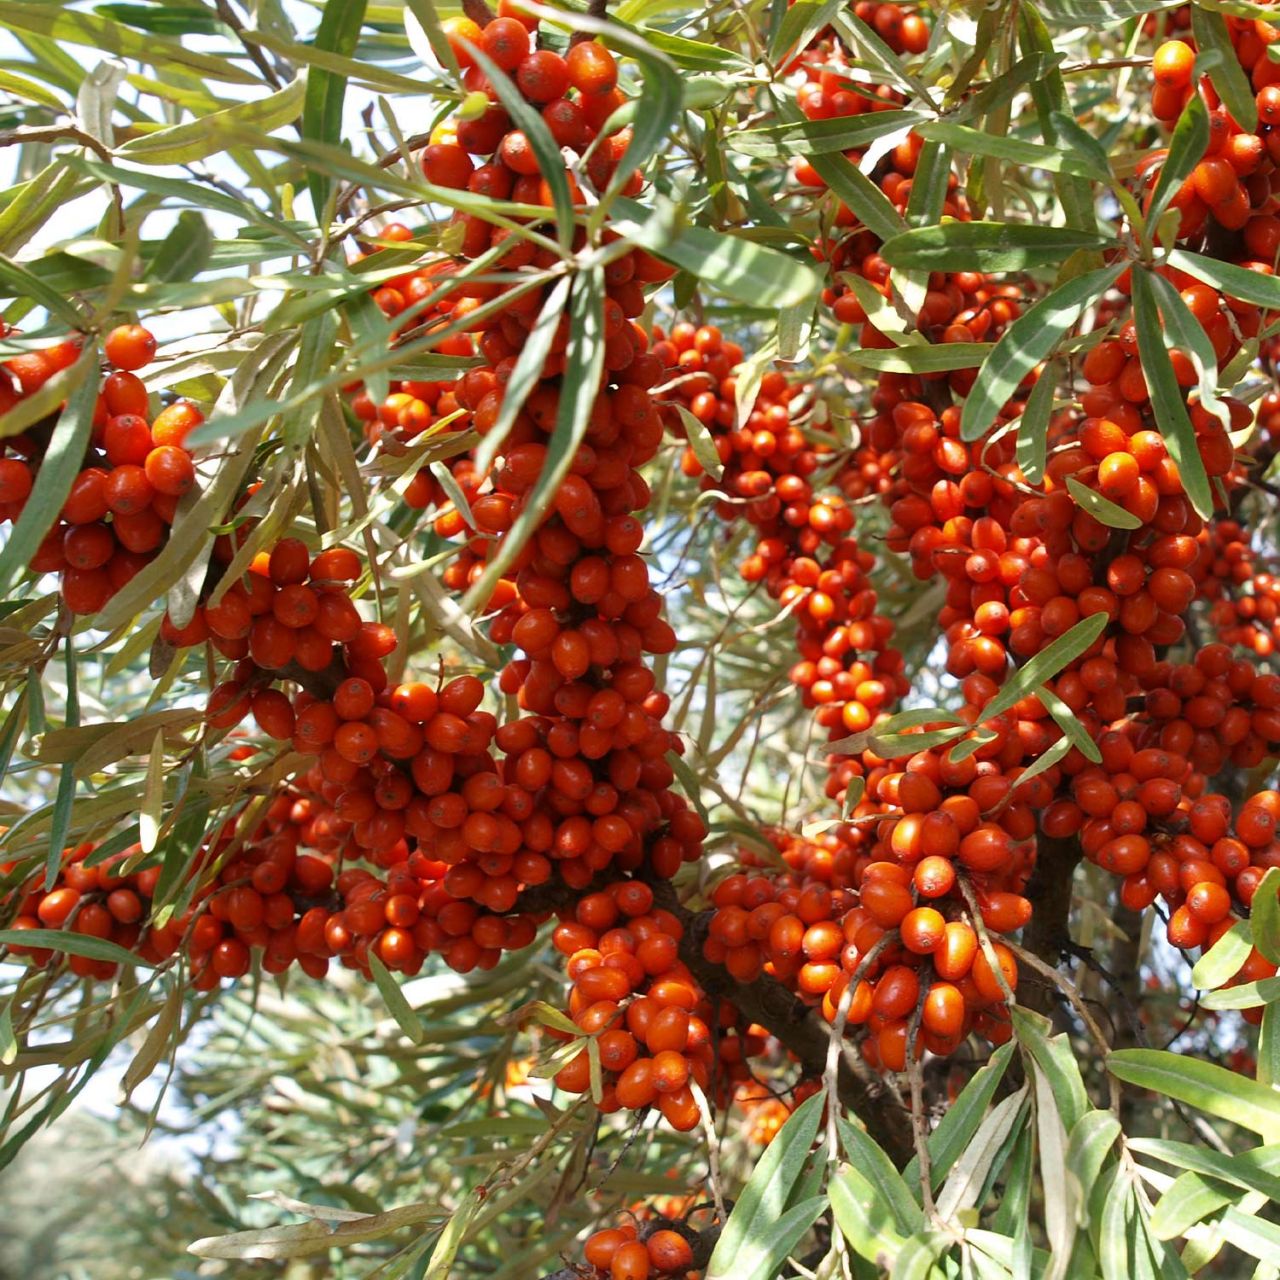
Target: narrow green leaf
<point x="700" y="442"/>
<point x="896" y="746"/>
<point x="398" y="1005"/>
<point x="1067" y="720"/>
<point x="183" y="143"/>
<point x="1101" y="509"/>
<point x="16" y="281"/>
<point x="104" y="35"/>
<point x="29" y="206"/>
<point x="1101" y="13"/>
<point x="1248" y="995"/>
<point x="1223" y="960"/>
<point x="1190" y="1199"/>
<point x="151" y="808"/>
<point x="1167" y="398"/>
<point x="1054" y="1056"/>
<point x="1046" y="664"/>
<point x="689" y="55"/>
<point x="1257" y="1169"/>
<point x="578" y="390"/>
<point x="741" y="269"/>
<point x="963" y="1188"/>
<point x="1190" y="138"/>
<point x="916" y="1258"/>
<point x="1027" y="71"/>
<point x="873" y="50"/>
<point x="962" y="1118"/>
<point x="338" y="32"/>
<point x="865" y="1154"/>
<point x="1201" y="1084"/>
<point x="1227" y="75"/>
<point x="1010" y="1217"/>
<point x="1268" y="1047"/>
<point x="810" y="138"/>
<point x="1032" y="446"/>
<point x="1088" y="1147"/>
<point x="422" y="22"/>
<point x="165" y="20"/>
<point x="159" y="1042"/>
<point x="1032" y="338"/>
<point x="1264" y="915"/>
<point x="800" y="22"/>
<point x="1263" y="290"/>
<point x="921" y="359"/>
<point x="75" y="944"/>
<point x="929" y="183"/>
<point x="1034" y="155"/>
<point x="525" y="375"/>
<point x="1184" y="332"/>
<point x="864" y="1217"/>
<point x="987" y="246"/>
<point x="185" y="251"/>
<point x="760" y="1207"/>
<point x="1251" y="1233"/>
<point x="848" y="183"/>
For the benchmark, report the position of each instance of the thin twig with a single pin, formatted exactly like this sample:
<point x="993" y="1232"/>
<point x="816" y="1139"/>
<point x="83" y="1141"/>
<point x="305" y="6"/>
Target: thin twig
<point x="919" y="1129"/>
<point x="54" y="133"/>
<point x="830" y="1074"/>
<point x="259" y="59"/>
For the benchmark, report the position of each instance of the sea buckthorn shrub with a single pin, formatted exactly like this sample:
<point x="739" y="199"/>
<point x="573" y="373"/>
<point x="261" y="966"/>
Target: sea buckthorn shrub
<point x="890" y="427"/>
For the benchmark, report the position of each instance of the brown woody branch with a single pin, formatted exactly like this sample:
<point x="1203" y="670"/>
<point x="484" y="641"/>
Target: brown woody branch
<point x="478" y="11"/>
<point x="1047" y="935"/>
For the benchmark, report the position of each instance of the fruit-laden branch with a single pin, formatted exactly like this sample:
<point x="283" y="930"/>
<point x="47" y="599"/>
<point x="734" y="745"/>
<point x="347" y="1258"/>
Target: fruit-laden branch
<point x="796" y="1026"/>
<point x="767" y="1002"/>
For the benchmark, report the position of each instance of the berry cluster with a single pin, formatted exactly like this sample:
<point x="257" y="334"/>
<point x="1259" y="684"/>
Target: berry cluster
<point x="637" y="1250"/>
<point x="632" y="993"/>
<point x="776" y="471"/>
<point x="136" y="468"/>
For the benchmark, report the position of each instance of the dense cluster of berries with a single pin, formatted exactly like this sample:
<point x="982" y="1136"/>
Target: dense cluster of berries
<point x="632" y="993"/>
<point x="1022" y="564"/>
<point x="423" y="825"/>
<point x="422" y="821"/>
<point x="136" y="468"/>
<point x="588" y="751"/>
<point x="98" y="898"/>
<point x="777" y="472"/>
<point x="1245" y="601"/>
<point x="639" y="1249"/>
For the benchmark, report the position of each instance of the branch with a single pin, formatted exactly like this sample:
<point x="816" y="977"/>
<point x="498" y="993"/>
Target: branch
<point x="595" y="9"/>
<point x="1047" y="935"/>
<point x="478" y="11"/>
